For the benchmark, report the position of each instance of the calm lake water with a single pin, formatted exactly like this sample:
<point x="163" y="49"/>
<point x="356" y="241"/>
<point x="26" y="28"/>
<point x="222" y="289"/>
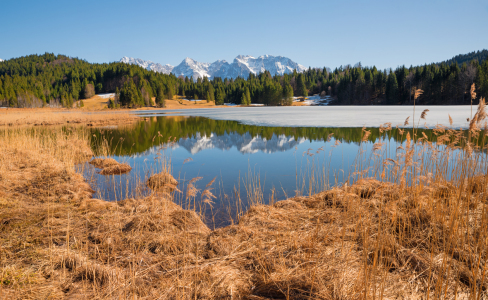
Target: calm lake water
<point x="249" y="163"/>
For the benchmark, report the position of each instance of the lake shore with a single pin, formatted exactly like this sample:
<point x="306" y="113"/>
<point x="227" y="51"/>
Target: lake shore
<point x="351" y="242"/>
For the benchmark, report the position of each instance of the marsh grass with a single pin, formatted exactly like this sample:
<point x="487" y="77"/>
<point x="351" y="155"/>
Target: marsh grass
<point x="410" y="222"/>
<point x="51" y="117"/>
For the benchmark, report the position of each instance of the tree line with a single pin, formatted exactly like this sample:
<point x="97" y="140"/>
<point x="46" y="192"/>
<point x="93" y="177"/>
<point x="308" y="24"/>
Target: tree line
<point x="443" y="83"/>
<point x="59" y="80"/>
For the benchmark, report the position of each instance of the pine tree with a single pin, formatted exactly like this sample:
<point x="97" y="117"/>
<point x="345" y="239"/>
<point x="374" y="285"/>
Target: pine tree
<point x="301" y="88"/>
<point x="248" y="96"/>
<point x="219" y="100"/>
<point x="392" y="89"/>
<point x="211" y="93"/>
<point x="244" y="99"/>
<point x="160" y="102"/>
<point x="169" y="92"/>
<point x="287" y="95"/>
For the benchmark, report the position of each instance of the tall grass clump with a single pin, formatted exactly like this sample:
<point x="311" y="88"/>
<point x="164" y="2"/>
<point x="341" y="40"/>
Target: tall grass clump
<point x="410" y="221"/>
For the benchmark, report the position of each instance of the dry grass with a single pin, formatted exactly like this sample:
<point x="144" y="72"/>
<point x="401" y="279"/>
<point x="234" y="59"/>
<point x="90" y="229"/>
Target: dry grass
<point x="421" y="233"/>
<point x="162" y="182"/>
<point x="47" y="116"/>
<point x="97" y="103"/>
<point x="110" y="166"/>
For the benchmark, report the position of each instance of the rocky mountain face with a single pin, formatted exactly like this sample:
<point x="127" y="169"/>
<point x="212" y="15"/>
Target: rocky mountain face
<point x="147" y="64"/>
<point x="241" y="66"/>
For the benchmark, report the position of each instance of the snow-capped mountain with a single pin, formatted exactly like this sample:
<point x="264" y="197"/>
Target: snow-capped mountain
<point x="1" y="60"/>
<point x="241" y="66"/>
<point x="147" y="64"/>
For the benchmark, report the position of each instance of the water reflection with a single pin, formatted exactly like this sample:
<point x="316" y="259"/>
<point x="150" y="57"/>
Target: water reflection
<point x="280" y="161"/>
<point x="198" y="133"/>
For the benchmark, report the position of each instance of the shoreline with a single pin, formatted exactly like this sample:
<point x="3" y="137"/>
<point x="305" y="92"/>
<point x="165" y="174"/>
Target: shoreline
<point x="331" y="242"/>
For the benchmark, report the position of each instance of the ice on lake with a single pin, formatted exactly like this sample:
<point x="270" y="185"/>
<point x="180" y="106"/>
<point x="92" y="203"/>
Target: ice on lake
<point x="331" y="116"/>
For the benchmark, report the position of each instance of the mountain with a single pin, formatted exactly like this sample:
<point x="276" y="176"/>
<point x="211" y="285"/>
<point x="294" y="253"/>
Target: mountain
<point x="241" y="66"/>
<point x="1" y="60"/>
<point x="148" y="65"/>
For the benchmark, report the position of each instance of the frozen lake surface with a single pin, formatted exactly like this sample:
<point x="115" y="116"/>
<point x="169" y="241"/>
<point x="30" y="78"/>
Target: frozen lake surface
<point x="330" y="116"/>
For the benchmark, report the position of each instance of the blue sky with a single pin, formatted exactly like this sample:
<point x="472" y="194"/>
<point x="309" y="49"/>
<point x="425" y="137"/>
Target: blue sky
<point x="312" y="33"/>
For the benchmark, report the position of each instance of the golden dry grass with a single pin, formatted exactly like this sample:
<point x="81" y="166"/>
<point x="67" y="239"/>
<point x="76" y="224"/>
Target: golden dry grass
<point x="421" y="234"/>
<point x="162" y="182"/>
<point x="47" y="116"/>
<point x="110" y="166"/>
<point x="97" y="103"/>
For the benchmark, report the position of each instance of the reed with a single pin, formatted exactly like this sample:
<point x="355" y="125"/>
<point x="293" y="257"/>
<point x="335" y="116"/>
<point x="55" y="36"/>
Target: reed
<point x="410" y="222"/>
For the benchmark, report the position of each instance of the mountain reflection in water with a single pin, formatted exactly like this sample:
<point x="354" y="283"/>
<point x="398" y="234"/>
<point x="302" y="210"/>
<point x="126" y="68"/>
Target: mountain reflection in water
<point x="198" y="133"/>
<point x="279" y="160"/>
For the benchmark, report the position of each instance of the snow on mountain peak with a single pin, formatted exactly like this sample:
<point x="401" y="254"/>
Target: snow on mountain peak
<point x="147" y="64"/>
<point x="240" y="67"/>
<point x="1" y="60"/>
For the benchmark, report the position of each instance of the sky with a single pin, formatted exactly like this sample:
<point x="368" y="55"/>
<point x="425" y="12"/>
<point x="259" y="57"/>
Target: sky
<point x="326" y="33"/>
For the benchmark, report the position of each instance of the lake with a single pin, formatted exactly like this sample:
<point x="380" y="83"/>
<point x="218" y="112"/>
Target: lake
<point x="251" y="160"/>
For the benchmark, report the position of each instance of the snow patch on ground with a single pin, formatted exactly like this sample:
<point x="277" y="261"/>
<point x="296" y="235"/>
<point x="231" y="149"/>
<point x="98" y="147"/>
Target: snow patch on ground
<point x="106" y="96"/>
<point x="193" y="100"/>
<point x="314" y="100"/>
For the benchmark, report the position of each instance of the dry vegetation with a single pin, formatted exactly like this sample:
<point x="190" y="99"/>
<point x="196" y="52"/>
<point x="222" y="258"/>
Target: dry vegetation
<point x="97" y="103"/>
<point x="46" y="116"/>
<point x="421" y="233"/>
<point x="110" y="166"/>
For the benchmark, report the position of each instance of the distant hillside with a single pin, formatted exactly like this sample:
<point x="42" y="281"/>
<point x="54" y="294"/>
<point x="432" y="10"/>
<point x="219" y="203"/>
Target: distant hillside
<point x="59" y="80"/>
<point x="480" y="56"/>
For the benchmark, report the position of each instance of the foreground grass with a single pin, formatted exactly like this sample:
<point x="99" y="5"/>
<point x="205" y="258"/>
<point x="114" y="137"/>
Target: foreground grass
<point x="421" y="234"/>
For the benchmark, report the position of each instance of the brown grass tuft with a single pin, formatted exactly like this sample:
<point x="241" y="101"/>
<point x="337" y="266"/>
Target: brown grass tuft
<point x="162" y="182"/>
<point x="116" y="169"/>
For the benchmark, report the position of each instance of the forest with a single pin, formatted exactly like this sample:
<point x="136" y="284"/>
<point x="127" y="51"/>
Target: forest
<point x="59" y="80"/>
<point x="445" y="83"/>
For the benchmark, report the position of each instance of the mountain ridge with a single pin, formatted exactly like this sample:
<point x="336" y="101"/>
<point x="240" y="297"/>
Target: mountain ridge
<point x="241" y="66"/>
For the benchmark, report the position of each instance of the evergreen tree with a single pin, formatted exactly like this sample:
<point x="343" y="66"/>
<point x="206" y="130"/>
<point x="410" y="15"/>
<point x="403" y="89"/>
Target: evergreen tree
<point x="248" y="96"/>
<point x="392" y="89"/>
<point x="169" y="92"/>
<point x="160" y="102"/>
<point x="287" y="95"/>
<point x="219" y="100"/>
<point x="301" y="88"/>
<point x="244" y="99"/>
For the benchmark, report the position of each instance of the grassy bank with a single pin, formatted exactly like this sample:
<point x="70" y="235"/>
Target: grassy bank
<point x="47" y="117"/>
<point x="417" y="231"/>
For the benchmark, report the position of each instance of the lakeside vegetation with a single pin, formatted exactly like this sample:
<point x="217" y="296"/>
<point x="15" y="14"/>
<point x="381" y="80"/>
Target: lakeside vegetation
<point x="58" y="80"/>
<point x="419" y="231"/>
